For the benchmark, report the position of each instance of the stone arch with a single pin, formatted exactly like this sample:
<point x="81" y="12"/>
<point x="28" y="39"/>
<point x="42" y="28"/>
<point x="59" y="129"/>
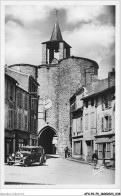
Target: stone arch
<point x="48" y="139"/>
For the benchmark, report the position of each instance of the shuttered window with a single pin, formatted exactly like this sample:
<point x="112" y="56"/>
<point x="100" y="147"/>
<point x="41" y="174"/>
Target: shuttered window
<point x="106" y="123"/>
<point x="32" y="104"/>
<point x="74" y="126"/>
<point x="104" y="150"/>
<point x="15" y="120"/>
<point x="25" y="102"/>
<point x="20" y="99"/>
<point x="102" y="124"/>
<point x="10" y="118"/>
<point x="109" y="122"/>
<point x="107" y="101"/>
<point x="19" y="121"/>
<point x="25" y="122"/>
<point x="108" y="152"/>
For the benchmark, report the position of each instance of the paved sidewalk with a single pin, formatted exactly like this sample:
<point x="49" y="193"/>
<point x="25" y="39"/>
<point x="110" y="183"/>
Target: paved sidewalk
<point x="85" y="162"/>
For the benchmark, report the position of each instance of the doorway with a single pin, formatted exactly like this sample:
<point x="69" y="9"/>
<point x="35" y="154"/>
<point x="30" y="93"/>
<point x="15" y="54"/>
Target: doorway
<point x="48" y="140"/>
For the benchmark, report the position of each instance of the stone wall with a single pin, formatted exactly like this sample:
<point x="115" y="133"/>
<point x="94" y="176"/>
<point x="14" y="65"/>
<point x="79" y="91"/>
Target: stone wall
<point x="48" y="89"/>
<point x="25" y="68"/>
<point x="71" y="77"/>
<point x="44" y="53"/>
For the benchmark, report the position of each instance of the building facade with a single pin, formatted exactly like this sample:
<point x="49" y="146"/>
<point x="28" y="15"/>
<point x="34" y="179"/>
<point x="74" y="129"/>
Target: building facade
<point x="99" y="120"/>
<point x="89" y="126"/>
<point x="92" y="121"/>
<point x="33" y="91"/>
<point x="10" y="97"/>
<point x="21" y="110"/>
<point x="76" y="123"/>
<point x="21" y="118"/>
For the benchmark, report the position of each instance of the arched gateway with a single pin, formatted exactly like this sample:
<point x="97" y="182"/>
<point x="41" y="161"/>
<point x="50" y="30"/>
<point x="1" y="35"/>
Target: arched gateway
<point x="48" y="139"/>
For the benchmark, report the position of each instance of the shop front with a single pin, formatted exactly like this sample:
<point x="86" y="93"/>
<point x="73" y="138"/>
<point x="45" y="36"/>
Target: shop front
<point x="77" y="147"/>
<point x="106" y="149"/>
<point x="9" y="143"/>
<point x="33" y="141"/>
<point x="21" y="139"/>
<point x="90" y="149"/>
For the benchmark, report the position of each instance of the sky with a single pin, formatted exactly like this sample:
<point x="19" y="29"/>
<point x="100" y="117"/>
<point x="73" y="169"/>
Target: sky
<point x="88" y="29"/>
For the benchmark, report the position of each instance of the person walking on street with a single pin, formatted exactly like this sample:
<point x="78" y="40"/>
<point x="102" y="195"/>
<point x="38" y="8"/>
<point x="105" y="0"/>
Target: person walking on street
<point x="66" y="152"/>
<point x="95" y="158"/>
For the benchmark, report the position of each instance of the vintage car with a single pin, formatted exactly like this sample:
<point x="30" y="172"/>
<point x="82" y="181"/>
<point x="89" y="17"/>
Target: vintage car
<point x="27" y="155"/>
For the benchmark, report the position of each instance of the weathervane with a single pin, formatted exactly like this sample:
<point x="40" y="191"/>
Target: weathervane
<point x="56" y="14"/>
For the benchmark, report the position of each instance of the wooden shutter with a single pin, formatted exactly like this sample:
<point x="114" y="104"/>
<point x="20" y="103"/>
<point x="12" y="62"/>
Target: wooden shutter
<point x="9" y="118"/>
<point x="109" y="122"/>
<point x="74" y="126"/>
<point x="108" y="153"/>
<point x="21" y="99"/>
<point x="19" y="122"/>
<point x="25" y="122"/>
<point x="25" y="102"/>
<point x="15" y="119"/>
<point x="12" y="116"/>
<point x="17" y="98"/>
<point x="102" y="124"/>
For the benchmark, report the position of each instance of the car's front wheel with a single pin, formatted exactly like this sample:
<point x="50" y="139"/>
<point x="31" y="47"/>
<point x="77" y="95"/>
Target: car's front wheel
<point x="45" y="158"/>
<point x="26" y="162"/>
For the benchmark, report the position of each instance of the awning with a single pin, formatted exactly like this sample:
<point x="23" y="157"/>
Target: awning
<point x="105" y="140"/>
<point x="22" y="135"/>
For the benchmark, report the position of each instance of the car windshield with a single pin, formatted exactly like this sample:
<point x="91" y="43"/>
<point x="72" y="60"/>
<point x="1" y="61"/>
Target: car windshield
<point x="38" y="150"/>
<point x="25" y="149"/>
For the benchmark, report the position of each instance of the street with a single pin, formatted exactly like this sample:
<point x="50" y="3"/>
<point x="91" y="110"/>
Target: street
<point x="57" y="171"/>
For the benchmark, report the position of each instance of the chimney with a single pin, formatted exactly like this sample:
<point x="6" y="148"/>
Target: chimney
<point x="111" y="78"/>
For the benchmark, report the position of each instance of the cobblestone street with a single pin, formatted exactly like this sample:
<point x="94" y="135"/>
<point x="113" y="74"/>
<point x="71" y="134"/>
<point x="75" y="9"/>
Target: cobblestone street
<point x="58" y="171"/>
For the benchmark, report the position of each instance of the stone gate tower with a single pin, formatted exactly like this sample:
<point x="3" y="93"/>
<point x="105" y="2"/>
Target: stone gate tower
<point x="59" y="79"/>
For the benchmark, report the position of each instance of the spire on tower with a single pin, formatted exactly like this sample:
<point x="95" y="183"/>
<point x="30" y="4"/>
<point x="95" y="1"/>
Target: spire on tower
<point x="56" y="33"/>
<point x="56" y="44"/>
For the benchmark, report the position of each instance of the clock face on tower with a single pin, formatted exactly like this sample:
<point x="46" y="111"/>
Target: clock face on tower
<point x="47" y="104"/>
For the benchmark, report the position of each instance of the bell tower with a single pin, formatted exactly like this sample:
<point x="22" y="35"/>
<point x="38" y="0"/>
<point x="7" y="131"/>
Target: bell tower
<point x="56" y="44"/>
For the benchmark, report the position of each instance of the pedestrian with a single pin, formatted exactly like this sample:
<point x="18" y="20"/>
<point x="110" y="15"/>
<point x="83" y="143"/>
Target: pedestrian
<point x="95" y="158"/>
<point x="66" y="152"/>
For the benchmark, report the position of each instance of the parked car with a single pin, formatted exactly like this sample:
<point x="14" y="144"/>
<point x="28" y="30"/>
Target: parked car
<point x="27" y="155"/>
